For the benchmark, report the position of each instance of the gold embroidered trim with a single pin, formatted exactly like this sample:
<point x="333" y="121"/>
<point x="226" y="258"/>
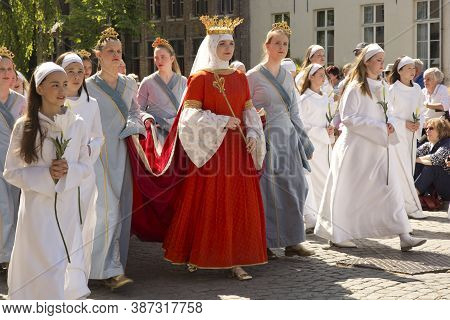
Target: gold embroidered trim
<point x="248" y="104"/>
<point x="193" y="104"/>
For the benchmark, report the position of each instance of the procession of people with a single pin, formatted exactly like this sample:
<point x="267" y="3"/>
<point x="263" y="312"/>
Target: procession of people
<point x="221" y="166"/>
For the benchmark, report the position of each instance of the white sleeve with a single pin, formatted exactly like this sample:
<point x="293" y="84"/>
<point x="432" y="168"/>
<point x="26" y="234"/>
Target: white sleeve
<point x="372" y="129"/>
<point x="255" y="130"/>
<point x="78" y="160"/>
<point x="24" y="176"/>
<point x="201" y="133"/>
<point x="96" y="135"/>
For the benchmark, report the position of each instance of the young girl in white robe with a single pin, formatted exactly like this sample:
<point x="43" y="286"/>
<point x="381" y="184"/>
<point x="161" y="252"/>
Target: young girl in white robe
<point x="48" y="235"/>
<point x="407" y="111"/>
<point x="314" y="107"/>
<point x="79" y="101"/>
<point x="363" y="196"/>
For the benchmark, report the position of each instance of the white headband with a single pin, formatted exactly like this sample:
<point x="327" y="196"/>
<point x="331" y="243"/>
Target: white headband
<point x="44" y="69"/>
<point x="70" y="58"/>
<point x="314" y="49"/>
<point x="404" y="61"/>
<point x="314" y="68"/>
<point x="289" y="65"/>
<point x="372" y="49"/>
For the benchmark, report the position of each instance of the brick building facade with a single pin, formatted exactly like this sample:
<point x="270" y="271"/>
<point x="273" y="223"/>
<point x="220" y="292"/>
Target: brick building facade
<point x="177" y="21"/>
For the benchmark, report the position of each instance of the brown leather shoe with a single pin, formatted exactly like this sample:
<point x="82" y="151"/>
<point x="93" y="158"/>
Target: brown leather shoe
<point x="117" y="281"/>
<point x="298" y="250"/>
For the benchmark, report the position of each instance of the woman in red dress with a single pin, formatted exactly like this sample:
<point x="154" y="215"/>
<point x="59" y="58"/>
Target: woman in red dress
<point x="219" y="217"/>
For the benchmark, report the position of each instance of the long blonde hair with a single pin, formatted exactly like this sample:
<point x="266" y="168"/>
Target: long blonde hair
<point x="169" y="48"/>
<point x="306" y="59"/>
<point x="359" y="74"/>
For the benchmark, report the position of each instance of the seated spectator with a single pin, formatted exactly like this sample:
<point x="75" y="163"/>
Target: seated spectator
<point x="436" y="95"/>
<point x="432" y="173"/>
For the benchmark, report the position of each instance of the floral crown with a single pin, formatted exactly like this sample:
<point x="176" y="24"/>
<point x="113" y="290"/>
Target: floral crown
<point x="84" y="54"/>
<point x="160" y="42"/>
<point x="283" y="26"/>
<point x="109" y="33"/>
<point x="214" y="25"/>
<point x="4" y="52"/>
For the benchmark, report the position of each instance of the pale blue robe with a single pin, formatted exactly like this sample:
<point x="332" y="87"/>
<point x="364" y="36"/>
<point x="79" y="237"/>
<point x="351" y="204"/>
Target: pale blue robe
<point x="283" y="184"/>
<point x="10" y="111"/>
<point x="113" y="177"/>
<point x="157" y="102"/>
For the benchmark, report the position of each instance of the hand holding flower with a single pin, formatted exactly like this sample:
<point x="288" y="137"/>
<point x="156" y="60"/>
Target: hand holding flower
<point x="412" y="126"/>
<point x="330" y="130"/>
<point x="58" y="169"/>
<point x="390" y="128"/>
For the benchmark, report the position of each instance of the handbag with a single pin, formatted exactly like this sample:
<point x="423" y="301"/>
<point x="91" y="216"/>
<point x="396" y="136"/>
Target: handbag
<point x="431" y="202"/>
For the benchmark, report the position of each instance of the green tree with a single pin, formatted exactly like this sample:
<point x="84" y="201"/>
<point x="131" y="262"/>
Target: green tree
<point x="88" y="18"/>
<point x="26" y="29"/>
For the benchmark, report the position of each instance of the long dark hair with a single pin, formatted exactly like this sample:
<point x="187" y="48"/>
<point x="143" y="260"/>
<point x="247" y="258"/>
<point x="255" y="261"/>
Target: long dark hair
<point x="28" y="148"/>
<point x="395" y="75"/>
<point x="60" y="60"/>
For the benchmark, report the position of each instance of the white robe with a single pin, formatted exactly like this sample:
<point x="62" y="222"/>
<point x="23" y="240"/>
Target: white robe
<point x="39" y="264"/>
<point x="313" y="109"/>
<point x="90" y="113"/>
<point x="357" y="202"/>
<point x="405" y="101"/>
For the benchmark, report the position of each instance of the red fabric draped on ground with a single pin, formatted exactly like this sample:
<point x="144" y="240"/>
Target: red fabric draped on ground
<point x="153" y="197"/>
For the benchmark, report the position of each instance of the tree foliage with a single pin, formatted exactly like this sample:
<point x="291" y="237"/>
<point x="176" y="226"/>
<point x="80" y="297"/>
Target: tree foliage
<point x="89" y="17"/>
<point x="25" y="27"/>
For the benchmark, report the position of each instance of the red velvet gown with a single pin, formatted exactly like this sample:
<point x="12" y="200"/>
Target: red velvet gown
<point x="219" y="216"/>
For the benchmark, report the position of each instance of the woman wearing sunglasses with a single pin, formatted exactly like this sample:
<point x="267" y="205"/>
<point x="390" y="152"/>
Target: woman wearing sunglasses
<point x="432" y="173"/>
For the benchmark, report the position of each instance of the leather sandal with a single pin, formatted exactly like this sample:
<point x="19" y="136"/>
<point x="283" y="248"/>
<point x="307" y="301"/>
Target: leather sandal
<point x="240" y="274"/>
<point x="117" y="281"/>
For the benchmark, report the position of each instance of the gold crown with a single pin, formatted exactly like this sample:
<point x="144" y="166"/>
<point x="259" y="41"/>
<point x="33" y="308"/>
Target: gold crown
<point x="4" y="52"/>
<point x="214" y="25"/>
<point x="283" y="26"/>
<point x="109" y="33"/>
<point x="160" y="42"/>
<point x="84" y="54"/>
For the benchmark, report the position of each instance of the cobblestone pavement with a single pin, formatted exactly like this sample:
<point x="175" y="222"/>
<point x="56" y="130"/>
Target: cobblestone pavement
<point x="316" y="277"/>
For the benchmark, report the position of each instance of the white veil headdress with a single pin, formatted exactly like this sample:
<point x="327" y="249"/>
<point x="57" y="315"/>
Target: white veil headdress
<point x="206" y="57"/>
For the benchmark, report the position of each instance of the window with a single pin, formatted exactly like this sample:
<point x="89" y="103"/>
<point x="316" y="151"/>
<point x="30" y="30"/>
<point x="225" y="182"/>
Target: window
<point x="373" y="24"/>
<point x="282" y="17"/>
<point x="199" y="8"/>
<point x="154" y="9"/>
<point x="176" y="8"/>
<point x="135" y="55"/>
<point x="325" y="32"/>
<point x="226" y="6"/>
<point x="178" y="47"/>
<point x="151" y="62"/>
<point x="428" y="22"/>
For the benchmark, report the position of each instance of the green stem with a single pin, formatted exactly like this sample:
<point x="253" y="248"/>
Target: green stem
<point x="412" y="151"/>
<point x="79" y="206"/>
<point x="60" y="231"/>
<point x="387" y="176"/>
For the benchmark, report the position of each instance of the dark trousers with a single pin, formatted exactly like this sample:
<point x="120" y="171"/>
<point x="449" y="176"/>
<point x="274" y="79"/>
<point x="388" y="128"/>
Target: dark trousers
<point x="432" y="178"/>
